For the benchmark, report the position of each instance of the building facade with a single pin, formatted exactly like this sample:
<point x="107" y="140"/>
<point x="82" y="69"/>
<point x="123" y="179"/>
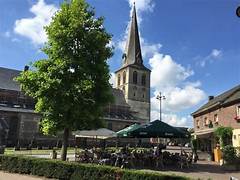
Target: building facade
<point x="19" y="124"/>
<point x="18" y="121"/>
<point x="222" y="110"/>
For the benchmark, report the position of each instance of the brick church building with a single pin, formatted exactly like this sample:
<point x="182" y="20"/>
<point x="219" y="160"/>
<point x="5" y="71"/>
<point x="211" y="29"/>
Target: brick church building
<point x="19" y="123"/>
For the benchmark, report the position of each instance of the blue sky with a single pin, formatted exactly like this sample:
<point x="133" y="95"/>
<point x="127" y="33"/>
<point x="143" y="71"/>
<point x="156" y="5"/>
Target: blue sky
<point x="192" y="47"/>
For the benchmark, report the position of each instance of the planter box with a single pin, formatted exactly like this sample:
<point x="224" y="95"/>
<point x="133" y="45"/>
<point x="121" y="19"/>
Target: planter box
<point x="231" y="167"/>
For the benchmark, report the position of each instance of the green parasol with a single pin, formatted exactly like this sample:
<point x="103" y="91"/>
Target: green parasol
<point x="157" y="129"/>
<point x="127" y="131"/>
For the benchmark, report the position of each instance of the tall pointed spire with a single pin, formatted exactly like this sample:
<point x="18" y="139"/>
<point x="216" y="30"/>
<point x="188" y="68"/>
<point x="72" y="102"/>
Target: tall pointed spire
<point x="132" y="54"/>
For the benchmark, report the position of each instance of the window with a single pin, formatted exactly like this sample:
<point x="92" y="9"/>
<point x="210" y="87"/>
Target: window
<point x="144" y="79"/>
<point x="135" y="77"/>
<point x="134" y="94"/>
<point x="119" y="79"/>
<point x="215" y="118"/>
<point x="238" y="110"/>
<point x="198" y="123"/>
<point x="124" y="77"/>
<point x="206" y="121"/>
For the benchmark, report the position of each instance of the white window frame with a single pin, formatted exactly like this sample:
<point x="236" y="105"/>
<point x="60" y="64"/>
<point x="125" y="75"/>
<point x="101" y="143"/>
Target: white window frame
<point x="238" y="110"/>
<point x="215" y="118"/>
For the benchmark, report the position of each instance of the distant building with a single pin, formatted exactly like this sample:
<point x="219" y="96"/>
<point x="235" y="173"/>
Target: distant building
<point x="18" y="120"/>
<point x="132" y="97"/>
<point x="222" y="110"/>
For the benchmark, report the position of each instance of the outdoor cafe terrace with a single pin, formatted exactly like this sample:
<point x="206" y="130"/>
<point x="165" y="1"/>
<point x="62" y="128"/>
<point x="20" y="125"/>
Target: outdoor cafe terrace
<point x="137" y="157"/>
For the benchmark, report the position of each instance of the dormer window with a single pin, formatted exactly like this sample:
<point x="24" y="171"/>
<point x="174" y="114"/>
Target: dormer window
<point x="135" y="77"/>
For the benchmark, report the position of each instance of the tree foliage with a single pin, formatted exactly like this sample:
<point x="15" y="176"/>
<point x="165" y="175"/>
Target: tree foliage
<point x="71" y="86"/>
<point x="224" y="134"/>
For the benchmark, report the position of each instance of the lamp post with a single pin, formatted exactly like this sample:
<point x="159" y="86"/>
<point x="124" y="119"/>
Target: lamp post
<point x="160" y="97"/>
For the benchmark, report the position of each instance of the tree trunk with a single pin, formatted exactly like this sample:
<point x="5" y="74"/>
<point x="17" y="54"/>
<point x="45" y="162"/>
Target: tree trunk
<point x="65" y="144"/>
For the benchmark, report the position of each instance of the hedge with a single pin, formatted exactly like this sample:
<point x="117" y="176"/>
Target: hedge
<point x="75" y="171"/>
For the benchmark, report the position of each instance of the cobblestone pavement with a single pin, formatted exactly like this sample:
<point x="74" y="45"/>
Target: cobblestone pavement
<point x="203" y="170"/>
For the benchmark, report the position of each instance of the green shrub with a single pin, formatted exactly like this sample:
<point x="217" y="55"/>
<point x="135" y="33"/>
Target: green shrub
<point x="75" y="171"/>
<point x="229" y="154"/>
<point x="224" y="135"/>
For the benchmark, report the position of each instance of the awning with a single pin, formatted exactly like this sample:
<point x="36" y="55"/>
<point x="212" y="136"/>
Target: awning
<point x="204" y="133"/>
<point x="101" y="133"/>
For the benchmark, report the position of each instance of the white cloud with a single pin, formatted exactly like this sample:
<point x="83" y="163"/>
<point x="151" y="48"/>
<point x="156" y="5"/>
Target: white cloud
<point x="112" y="79"/>
<point x="33" y="28"/>
<point x="170" y="78"/>
<point x="166" y="72"/>
<point x="111" y="44"/>
<point x="141" y="6"/>
<point x="214" y="55"/>
<point x="149" y="49"/>
<point x="173" y="119"/>
<point x="176" y="120"/>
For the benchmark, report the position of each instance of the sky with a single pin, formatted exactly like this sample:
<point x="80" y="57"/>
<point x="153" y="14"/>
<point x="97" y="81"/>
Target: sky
<point x="191" y="47"/>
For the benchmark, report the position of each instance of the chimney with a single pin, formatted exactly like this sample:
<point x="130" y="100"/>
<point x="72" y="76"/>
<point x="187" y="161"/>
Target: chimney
<point x="210" y="98"/>
<point x="26" y="68"/>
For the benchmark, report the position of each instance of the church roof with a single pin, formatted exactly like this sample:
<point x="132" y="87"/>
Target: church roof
<point x="224" y="99"/>
<point x="6" y="79"/>
<point x="119" y="99"/>
<point x="133" y="54"/>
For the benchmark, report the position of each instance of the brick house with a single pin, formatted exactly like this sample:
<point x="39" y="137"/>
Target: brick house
<point x="222" y="110"/>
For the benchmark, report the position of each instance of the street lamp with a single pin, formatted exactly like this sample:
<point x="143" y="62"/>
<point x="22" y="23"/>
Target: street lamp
<point x="160" y="97"/>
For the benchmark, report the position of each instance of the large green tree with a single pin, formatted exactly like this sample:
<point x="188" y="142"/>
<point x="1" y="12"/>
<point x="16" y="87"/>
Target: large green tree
<point x="71" y="86"/>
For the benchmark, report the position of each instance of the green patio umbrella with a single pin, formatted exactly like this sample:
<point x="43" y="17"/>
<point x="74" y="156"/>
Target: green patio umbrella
<point x="157" y="129"/>
<point x="127" y="131"/>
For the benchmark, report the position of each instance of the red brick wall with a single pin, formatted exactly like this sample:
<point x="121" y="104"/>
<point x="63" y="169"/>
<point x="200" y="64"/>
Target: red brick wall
<point x="226" y="117"/>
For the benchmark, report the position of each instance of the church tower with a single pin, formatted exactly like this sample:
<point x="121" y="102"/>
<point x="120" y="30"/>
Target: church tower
<point x="133" y="78"/>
